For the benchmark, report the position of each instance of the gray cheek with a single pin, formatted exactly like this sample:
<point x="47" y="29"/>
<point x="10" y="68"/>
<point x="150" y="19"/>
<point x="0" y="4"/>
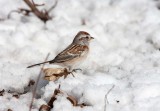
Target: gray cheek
<point x="86" y="43"/>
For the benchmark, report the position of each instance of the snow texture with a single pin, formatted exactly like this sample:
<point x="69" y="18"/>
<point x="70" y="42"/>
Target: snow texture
<point x="125" y="53"/>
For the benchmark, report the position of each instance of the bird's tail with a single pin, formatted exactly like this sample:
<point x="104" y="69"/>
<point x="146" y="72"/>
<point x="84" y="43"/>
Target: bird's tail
<point x="38" y="64"/>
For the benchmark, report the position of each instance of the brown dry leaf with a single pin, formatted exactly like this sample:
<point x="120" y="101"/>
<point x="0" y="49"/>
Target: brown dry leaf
<point x="53" y="98"/>
<point x="51" y="78"/>
<point x="55" y="71"/>
<point x="53" y="74"/>
<point x="75" y="102"/>
<point x="72" y="100"/>
<point x="69" y="97"/>
<point x="44" y="108"/>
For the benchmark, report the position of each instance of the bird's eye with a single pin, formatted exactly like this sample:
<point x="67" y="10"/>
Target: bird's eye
<point x="87" y="37"/>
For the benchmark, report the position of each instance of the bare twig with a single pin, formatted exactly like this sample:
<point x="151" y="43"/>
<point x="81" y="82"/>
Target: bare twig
<point x="37" y="4"/>
<point x="106" y="99"/>
<point x="44" y="16"/>
<point x="41" y="14"/>
<point x="53" y="98"/>
<point x="24" y="11"/>
<point x="36" y="84"/>
<point x="57" y="91"/>
<point x="20" y="10"/>
<point x="49" y="105"/>
<point x="33" y="2"/>
<point x="55" y="4"/>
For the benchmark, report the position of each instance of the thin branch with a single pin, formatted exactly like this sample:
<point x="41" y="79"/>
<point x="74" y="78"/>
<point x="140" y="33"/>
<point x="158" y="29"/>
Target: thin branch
<point x="31" y="5"/>
<point x="25" y="10"/>
<point x="106" y="99"/>
<point x="33" y="1"/>
<point x="37" y="4"/>
<point x="42" y="15"/>
<point x="20" y="10"/>
<point x="36" y="84"/>
<point x="55" y="4"/>
<point x="53" y="98"/>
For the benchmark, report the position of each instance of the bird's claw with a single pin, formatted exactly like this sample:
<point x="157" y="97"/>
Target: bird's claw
<point x="71" y="72"/>
<point x="74" y="70"/>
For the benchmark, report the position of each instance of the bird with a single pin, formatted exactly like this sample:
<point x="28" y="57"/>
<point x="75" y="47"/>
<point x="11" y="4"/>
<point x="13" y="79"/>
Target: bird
<point x="74" y="54"/>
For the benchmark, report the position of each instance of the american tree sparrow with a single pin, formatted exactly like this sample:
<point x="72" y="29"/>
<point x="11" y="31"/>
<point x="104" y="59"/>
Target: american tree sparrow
<point x="75" y="53"/>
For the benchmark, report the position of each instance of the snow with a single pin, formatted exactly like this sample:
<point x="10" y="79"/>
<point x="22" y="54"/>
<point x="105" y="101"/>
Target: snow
<point x="124" y="53"/>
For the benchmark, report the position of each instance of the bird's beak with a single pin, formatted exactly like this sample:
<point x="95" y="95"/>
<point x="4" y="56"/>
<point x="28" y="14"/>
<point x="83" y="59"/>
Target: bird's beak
<point x="92" y="38"/>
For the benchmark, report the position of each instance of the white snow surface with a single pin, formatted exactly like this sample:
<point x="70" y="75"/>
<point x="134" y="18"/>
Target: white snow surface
<point x="124" y="53"/>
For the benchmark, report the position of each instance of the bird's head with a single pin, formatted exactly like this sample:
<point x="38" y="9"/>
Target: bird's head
<point x="83" y="38"/>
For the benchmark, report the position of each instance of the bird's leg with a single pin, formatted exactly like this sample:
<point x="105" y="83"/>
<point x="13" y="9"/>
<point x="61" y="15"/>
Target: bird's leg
<point x="74" y="70"/>
<point x="69" y="71"/>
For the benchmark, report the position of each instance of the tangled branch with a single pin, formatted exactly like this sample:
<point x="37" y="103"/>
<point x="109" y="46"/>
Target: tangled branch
<point x="41" y="14"/>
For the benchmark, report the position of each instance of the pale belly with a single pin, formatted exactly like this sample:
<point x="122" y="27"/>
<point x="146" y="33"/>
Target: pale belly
<point x="74" y="63"/>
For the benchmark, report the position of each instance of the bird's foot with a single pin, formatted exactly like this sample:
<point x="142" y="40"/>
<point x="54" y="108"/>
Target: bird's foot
<point x="67" y="72"/>
<point x="75" y="70"/>
<point x="71" y="72"/>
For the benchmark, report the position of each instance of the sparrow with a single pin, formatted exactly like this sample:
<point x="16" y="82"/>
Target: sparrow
<point x="74" y="54"/>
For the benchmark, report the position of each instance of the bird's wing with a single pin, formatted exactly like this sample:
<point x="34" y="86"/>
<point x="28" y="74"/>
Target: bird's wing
<point x="71" y="52"/>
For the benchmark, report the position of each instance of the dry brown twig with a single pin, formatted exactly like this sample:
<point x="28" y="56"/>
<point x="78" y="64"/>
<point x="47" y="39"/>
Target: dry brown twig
<point x="37" y="4"/>
<point x="74" y="102"/>
<point x="54" y="97"/>
<point x="36" y="84"/>
<point x="50" y="103"/>
<point x="43" y="14"/>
